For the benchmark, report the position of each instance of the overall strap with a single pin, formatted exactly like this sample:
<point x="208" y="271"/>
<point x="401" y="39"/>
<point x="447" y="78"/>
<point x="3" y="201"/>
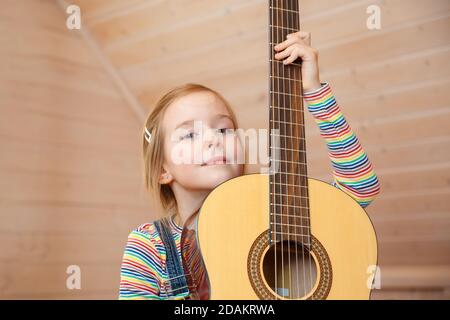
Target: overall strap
<point x="177" y="279"/>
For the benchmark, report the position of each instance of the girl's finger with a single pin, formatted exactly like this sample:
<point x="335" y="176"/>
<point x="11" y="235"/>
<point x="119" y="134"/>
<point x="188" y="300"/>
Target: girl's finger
<point x="290" y="41"/>
<point x="285" y="43"/>
<point x="285" y="53"/>
<point x="292" y="57"/>
<point x="305" y="36"/>
<point x="304" y="52"/>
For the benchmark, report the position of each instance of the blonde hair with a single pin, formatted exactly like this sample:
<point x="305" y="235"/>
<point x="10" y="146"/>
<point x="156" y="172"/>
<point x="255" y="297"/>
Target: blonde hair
<point x="153" y="150"/>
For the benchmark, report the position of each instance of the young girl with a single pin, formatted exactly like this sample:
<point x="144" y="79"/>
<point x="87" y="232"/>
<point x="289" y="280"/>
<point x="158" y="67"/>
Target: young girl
<point x="182" y="186"/>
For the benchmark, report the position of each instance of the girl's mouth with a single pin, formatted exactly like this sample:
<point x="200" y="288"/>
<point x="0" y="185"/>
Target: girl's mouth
<point x="215" y="160"/>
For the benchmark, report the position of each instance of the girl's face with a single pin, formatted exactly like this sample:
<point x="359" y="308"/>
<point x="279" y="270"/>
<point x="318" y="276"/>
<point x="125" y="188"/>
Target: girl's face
<point x="199" y="153"/>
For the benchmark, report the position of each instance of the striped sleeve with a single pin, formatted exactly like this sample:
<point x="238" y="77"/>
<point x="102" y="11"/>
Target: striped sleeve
<point x="138" y="275"/>
<point x="352" y="170"/>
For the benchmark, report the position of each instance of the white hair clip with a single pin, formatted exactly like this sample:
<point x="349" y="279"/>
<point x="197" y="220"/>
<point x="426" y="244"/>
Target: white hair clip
<point x="147" y="135"/>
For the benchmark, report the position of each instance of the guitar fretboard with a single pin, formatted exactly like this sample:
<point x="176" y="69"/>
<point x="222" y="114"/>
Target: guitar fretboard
<point x="289" y="201"/>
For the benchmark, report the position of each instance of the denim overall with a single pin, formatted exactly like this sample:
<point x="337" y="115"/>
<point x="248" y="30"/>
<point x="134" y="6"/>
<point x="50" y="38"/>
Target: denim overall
<point x="176" y="277"/>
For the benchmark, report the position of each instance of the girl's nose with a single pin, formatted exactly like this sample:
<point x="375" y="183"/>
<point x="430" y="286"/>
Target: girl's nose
<point x="212" y="138"/>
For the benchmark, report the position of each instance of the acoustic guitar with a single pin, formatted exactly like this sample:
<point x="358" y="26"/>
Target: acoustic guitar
<point x="280" y="235"/>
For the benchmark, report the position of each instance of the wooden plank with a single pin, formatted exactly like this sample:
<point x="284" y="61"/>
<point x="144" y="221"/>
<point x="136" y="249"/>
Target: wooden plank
<point x="53" y="249"/>
<point x="95" y="9"/>
<point x="33" y="159"/>
<point x="50" y="279"/>
<point x="62" y="220"/>
<point x="427" y="66"/>
<point x="411" y="294"/>
<point x="27" y="187"/>
<point x="47" y="71"/>
<point x="87" y="107"/>
<point x="352" y="18"/>
<point x="45" y="128"/>
<point x="414" y="253"/>
<point x="410" y="228"/>
<point x="228" y="24"/>
<point x="310" y="9"/>
<point x="349" y="54"/>
<point x="40" y="31"/>
<point x="405" y="276"/>
<point x="133" y="29"/>
<point x="425" y="200"/>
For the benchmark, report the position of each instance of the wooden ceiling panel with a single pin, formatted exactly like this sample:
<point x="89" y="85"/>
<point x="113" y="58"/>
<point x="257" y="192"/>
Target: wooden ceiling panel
<point x="160" y="17"/>
<point x="352" y="19"/>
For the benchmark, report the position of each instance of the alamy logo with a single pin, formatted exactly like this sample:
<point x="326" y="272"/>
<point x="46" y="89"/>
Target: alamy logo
<point x="374" y="279"/>
<point x="73" y="281"/>
<point x="74" y="19"/>
<point x="374" y="20"/>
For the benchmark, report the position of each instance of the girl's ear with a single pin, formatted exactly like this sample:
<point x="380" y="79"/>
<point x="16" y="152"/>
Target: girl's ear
<point x="165" y="178"/>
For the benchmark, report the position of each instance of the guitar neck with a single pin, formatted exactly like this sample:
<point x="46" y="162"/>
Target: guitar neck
<point x="289" y="184"/>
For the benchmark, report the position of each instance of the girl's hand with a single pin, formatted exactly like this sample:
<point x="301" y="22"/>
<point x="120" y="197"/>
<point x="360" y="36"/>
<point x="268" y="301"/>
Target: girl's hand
<point x="297" y="45"/>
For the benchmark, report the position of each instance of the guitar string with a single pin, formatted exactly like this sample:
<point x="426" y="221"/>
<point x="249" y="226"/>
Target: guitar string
<point x="291" y="25"/>
<point x="272" y="84"/>
<point x="281" y="89"/>
<point x="295" y="199"/>
<point x="289" y="142"/>
<point x="280" y="186"/>
<point x="284" y="191"/>
<point x="310" y="261"/>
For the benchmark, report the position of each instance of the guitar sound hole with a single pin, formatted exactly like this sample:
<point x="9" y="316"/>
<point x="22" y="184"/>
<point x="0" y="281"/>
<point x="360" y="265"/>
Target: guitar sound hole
<point x="289" y="269"/>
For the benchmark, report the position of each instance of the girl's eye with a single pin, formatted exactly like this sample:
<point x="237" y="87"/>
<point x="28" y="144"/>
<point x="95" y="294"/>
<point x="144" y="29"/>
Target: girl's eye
<point x="223" y="130"/>
<point x="190" y="135"/>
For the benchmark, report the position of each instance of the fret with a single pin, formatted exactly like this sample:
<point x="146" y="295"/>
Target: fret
<point x="288" y="184"/>
<point x="292" y="174"/>
<point x="288" y="149"/>
<point x="279" y="196"/>
<point x="284" y="78"/>
<point x="284" y="28"/>
<point x="300" y="175"/>
<point x="292" y="234"/>
<point x="289" y="206"/>
<point x="289" y="225"/>
<point x="282" y="183"/>
<point x="289" y="215"/>
<point x="287" y="10"/>
<point x="286" y="109"/>
<point x="280" y="61"/>
<point x="287" y="161"/>
<point x="289" y="195"/>
<point x="284" y="136"/>
<point x="287" y="122"/>
<point x="284" y="227"/>
<point x="287" y="94"/>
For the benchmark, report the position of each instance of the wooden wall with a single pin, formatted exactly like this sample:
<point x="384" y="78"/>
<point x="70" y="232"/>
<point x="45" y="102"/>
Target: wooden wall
<point x="73" y="191"/>
<point x="70" y="162"/>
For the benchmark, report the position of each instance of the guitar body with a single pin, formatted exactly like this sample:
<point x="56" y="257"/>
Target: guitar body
<point x="233" y="242"/>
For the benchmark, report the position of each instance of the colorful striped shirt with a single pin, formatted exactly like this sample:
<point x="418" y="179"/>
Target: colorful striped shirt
<point x="143" y="270"/>
<point x="352" y="170"/>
